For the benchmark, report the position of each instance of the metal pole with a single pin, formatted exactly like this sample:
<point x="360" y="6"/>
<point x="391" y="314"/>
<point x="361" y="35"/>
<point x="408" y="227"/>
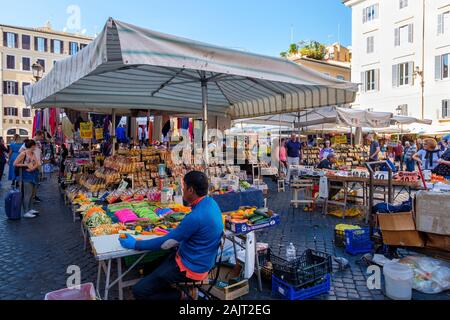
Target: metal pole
<point x="205" y="116"/>
<point x="422" y="82"/>
<point x="113" y="122"/>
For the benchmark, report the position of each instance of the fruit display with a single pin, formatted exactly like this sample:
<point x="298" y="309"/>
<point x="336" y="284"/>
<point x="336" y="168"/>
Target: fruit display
<point x="92" y="183"/>
<point x="437" y="178"/>
<point x="76" y="191"/>
<point x="111" y="176"/>
<point x="95" y="217"/>
<point x="250" y="215"/>
<point x="245" y="184"/>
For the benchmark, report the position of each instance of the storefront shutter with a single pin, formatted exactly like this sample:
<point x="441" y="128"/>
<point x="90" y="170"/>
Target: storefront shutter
<point x="411" y="33"/>
<point x="440" y="24"/>
<point x="410" y="73"/>
<point x="437" y="68"/>
<point x="395" y="75"/>
<point x="397" y="37"/>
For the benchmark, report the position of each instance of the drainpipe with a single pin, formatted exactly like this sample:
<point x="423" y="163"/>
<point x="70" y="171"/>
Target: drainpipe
<point x="422" y="83"/>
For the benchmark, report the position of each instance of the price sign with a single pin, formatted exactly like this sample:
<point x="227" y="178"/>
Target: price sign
<point x="123" y="185"/>
<point x="98" y="133"/>
<point x="340" y="139"/>
<point x="86" y="130"/>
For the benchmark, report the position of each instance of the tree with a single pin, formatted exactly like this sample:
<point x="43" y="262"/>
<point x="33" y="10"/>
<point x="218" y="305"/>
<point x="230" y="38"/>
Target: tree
<point x="312" y="49"/>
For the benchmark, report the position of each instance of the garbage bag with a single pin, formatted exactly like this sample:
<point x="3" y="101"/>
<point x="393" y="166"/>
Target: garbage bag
<point x="385" y="207"/>
<point x="430" y="275"/>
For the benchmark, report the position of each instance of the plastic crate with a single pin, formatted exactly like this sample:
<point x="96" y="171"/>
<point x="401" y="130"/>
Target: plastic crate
<point x="264" y="259"/>
<point x="339" y="238"/>
<point x="85" y="292"/>
<point x="281" y="288"/>
<point x="358" y="241"/>
<point x="309" y="267"/>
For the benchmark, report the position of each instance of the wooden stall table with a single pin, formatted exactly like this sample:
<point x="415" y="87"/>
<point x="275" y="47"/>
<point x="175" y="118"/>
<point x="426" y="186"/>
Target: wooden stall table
<point x="106" y="249"/>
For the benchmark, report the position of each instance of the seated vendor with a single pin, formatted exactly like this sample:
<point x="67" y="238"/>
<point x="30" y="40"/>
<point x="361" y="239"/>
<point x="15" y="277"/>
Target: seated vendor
<point x="327" y="163"/>
<point x="197" y="237"/>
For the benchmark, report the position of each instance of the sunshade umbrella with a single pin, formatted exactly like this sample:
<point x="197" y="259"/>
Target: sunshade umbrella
<point x="128" y="67"/>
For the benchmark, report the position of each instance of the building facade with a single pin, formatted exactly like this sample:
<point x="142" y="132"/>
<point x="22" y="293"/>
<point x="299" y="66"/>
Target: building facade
<point x="400" y="57"/>
<point x="335" y="64"/>
<point x="20" y="48"/>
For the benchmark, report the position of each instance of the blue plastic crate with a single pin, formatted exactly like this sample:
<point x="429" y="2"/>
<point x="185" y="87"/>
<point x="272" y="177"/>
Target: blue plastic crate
<point x="358" y="241"/>
<point x="281" y="288"/>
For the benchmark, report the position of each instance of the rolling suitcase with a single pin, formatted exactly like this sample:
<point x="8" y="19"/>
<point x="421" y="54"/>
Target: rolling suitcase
<point x="13" y="205"/>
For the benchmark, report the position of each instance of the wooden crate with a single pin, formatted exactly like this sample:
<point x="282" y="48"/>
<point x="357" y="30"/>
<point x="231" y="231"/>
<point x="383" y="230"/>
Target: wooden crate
<point x="232" y="291"/>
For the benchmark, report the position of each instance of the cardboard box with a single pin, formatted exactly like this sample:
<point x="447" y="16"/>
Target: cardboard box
<point x="232" y="291"/>
<point x="437" y="241"/>
<point x="433" y="212"/>
<point x="399" y="229"/>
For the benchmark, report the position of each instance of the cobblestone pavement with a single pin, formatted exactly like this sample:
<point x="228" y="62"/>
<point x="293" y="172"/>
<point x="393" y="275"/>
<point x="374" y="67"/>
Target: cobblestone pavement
<point x="35" y="253"/>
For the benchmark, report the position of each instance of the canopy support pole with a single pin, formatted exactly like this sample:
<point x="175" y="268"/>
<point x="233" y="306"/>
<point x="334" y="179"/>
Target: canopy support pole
<point x="113" y="122"/>
<point x="205" y="117"/>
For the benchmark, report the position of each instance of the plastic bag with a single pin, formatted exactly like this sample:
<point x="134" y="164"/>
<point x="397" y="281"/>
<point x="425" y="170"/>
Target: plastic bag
<point x="430" y="275"/>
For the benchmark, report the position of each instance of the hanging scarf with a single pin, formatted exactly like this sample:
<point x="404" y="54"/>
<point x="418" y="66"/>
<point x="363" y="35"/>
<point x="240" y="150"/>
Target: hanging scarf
<point x="429" y="156"/>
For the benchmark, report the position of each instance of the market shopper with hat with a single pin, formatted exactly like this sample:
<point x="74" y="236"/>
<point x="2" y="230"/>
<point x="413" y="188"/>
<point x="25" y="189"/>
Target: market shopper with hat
<point x="197" y="237"/>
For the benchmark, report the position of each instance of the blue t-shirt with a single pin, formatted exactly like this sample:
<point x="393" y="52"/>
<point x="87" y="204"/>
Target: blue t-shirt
<point x="293" y="149"/>
<point x="373" y="147"/>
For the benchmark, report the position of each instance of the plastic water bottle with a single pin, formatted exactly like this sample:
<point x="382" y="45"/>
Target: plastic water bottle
<point x="290" y="252"/>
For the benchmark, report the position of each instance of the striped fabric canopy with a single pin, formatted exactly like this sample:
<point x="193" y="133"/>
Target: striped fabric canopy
<point x="127" y="67"/>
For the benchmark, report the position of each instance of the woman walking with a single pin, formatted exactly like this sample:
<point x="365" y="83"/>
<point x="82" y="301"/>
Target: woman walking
<point x="14" y="148"/>
<point x="29" y="164"/>
<point x="3" y="159"/>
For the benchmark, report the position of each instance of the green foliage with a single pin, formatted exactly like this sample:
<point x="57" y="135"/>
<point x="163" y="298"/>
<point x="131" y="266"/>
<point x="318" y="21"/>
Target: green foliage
<point x="311" y="49"/>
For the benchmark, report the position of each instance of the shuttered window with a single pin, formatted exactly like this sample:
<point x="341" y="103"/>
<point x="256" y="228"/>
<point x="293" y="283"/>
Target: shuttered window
<point x="40" y="44"/>
<point x="26" y="64"/>
<point x="10" y="62"/>
<point x="370" y="13"/>
<point x="370" y="80"/>
<point x="26" y="42"/>
<point x="443" y="23"/>
<point x="404" y="35"/>
<point x="370" y="44"/>
<point x="402" y="74"/>
<point x="11" y="87"/>
<point x="10" y="40"/>
<point x="445" y="109"/>
<point x="442" y="67"/>
<point x="11" y="111"/>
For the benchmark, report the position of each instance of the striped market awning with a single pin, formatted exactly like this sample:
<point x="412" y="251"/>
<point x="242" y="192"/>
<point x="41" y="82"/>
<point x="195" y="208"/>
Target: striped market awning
<point x="128" y="67"/>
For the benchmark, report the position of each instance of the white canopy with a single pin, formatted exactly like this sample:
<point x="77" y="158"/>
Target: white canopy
<point x="335" y="116"/>
<point x="128" y="67"/>
<point x="332" y="117"/>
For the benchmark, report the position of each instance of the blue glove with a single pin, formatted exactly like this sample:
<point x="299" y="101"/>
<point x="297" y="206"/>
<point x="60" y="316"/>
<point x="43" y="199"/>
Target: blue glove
<point x="128" y="243"/>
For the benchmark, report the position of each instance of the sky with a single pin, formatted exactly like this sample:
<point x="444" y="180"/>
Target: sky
<point x="260" y="26"/>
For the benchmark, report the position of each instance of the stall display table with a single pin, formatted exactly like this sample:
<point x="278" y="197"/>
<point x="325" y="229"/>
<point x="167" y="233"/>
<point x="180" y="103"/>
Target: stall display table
<point x="106" y="249"/>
